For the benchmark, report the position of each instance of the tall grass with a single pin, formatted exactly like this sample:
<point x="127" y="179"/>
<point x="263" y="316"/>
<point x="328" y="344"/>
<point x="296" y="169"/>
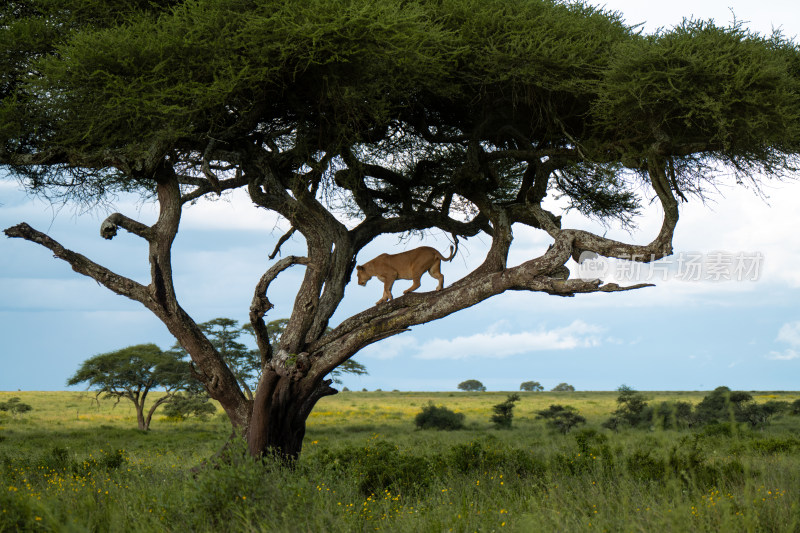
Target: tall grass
<point x="364" y="468"/>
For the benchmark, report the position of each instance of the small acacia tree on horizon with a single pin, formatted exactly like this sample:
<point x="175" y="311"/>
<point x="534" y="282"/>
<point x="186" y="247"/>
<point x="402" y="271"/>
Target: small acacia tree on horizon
<point x="132" y="373"/>
<point x="358" y="120"/>
<point x="15" y="406"/>
<point x="531" y="386"/>
<point x="472" y="385"/>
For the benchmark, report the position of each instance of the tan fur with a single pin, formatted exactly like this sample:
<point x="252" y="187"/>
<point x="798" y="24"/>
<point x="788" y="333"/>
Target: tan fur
<point x="406" y="265"/>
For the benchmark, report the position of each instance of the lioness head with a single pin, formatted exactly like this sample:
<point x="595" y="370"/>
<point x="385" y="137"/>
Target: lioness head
<point x="363" y="277"/>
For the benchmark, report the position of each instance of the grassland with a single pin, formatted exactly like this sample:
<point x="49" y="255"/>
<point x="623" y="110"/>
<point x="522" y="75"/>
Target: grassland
<point x="76" y="464"/>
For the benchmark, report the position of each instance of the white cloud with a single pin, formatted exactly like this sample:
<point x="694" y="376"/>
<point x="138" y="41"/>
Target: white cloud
<point x="790" y="333"/>
<point x="495" y="344"/>
<point x="786" y="355"/>
<point x="390" y="348"/>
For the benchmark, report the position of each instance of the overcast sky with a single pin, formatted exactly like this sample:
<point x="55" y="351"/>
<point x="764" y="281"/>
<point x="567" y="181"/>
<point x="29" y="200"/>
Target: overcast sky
<point x="695" y="330"/>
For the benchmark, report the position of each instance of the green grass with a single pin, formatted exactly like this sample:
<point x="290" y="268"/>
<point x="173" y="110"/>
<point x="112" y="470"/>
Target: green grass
<point x="74" y="464"/>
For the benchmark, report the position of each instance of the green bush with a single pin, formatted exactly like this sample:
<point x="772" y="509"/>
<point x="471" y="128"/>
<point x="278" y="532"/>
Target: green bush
<point x="439" y="417"/>
<point x="504" y="412"/>
<point x="183" y="406"/>
<point x="644" y="467"/>
<point x="15" y="406"/>
<point x="561" y="417"/>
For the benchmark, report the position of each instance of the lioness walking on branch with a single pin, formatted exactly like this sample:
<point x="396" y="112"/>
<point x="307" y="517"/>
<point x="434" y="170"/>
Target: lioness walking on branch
<point x="406" y="265"/>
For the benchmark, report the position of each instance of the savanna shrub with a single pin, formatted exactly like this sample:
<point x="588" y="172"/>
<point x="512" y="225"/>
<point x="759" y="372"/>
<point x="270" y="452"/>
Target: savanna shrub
<point x="644" y="467"/>
<point x="594" y="445"/>
<point x="794" y="408"/>
<point x="561" y="417"/>
<point x="377" y="467"/>
<point x="476" y="455"/>
<point x="59" y="459"/>
<point x="383" y="466"/>
<point x="222" y="492"/>
<point x="491" y="454"/>
<point x="775" y="445"/>
<point x="439" y="417"/>
<point x="504" y="412"/>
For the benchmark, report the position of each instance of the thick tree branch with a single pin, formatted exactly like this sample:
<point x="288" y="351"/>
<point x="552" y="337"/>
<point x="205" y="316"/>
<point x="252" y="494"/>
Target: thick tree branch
<point x="108" y="229"/>
<point x="83" y="265"/>
<point x="411" y="309"/>
<point x="261" y="304"/>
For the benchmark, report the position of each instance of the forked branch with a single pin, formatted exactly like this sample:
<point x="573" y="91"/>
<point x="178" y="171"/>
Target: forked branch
<point x="261" y="304"/>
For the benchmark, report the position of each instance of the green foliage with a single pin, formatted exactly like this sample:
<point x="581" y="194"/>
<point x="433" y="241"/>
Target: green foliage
<point x="382" y="466"/>
<point x="794" y="407"/>
<point x="15" y="406"/>
<point x="242" y="361"/>
<point x="531" y="386"/>
<point x="563" y="387"/>
<point x="472" y="385"/>
<point x="439" y="417"/>
<point x="132" y="75"/>
<point x="724" y="405"/>
<point x="728" y="86"/>
<point x="132" y="373"/>
<point x="632" y="410"/>
<point x="189" y="404"/>
<point x="504" y="412"/>
<point x="561" y="417"/>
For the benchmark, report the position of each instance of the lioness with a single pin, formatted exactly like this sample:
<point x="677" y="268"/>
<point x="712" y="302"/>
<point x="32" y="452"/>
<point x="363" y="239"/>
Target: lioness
<point x="406" y="265"/>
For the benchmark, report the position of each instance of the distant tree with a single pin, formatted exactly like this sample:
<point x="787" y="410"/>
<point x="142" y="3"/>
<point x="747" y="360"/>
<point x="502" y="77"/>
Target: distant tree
<point x="224" y="334"/>
<point x="132" y="373"/>
<point x="563" y="387"/>
<point x="504" y="412"/>
<point x="439" y="417"/>
<point x="530" y="386"/>
<point x="190" y="404"/>
<point x="471" y="385"/>
<point x="674" y="415"/>
<point x="758" y="415"/>
<point x="15" y="406"/>
<point x="724" y="405"/>
<point x="561" y="417"/>
<point x="632" y="409"/>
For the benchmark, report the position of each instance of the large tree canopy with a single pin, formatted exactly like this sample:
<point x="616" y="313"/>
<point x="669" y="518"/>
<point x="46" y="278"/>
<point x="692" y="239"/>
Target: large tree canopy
<point x="392" y="116"/>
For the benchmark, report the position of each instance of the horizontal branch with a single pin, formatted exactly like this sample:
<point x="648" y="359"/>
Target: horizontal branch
<point x="83" y="265"/>
<point x="108" y="229"/>
<point x="411" y="309"/>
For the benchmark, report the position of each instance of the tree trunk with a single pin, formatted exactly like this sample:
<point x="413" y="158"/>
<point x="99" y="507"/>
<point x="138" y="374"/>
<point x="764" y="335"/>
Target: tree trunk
<point x="144" y="424"/>
<point x="278" y="423"/>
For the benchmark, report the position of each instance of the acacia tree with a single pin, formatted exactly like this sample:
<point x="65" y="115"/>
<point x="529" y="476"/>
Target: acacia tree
<point x="356" y="120"/>
<point x="531" y="386"/>
<point x="472" y="385"/>
<point x="132" y="373"/>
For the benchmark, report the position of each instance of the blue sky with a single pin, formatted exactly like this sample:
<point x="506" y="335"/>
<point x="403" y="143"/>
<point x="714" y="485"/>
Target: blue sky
<point x="690" y="332"/>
